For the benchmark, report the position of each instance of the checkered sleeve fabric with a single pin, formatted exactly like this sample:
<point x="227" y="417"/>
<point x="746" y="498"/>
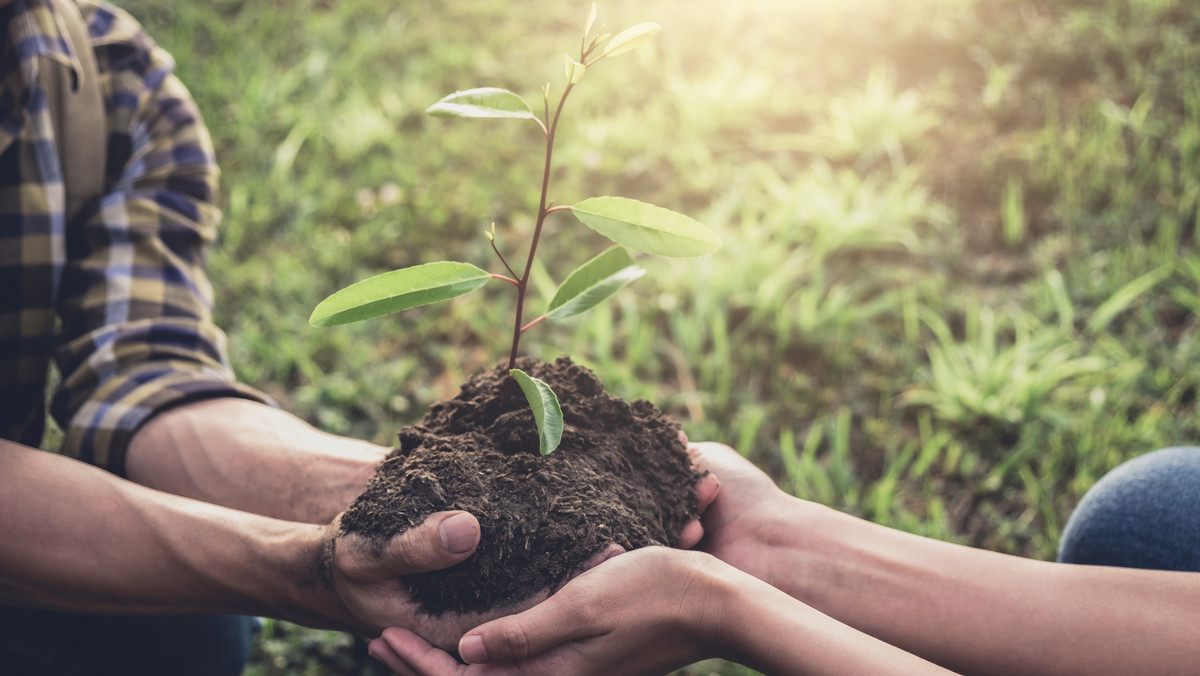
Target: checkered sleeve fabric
<point x="136" y="303"/>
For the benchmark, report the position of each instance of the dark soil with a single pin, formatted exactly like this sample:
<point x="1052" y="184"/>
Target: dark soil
<point x="621" y="475"/>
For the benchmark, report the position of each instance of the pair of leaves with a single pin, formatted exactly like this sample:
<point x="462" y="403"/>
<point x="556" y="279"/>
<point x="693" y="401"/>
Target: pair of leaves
<point x="420" y="285"/>
<point x="629" y="222"/>
<point x="624" y="41"/>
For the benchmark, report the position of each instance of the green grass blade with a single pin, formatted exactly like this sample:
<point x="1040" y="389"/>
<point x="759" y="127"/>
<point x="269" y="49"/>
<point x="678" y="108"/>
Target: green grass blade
<point x="546" y="411"/>
<point x="482" y="102"/>
<point x="593" y="282"/>
<point x="398" y="290"/>
<point x="1125" y="297"/>
<point x="646" y="227"/>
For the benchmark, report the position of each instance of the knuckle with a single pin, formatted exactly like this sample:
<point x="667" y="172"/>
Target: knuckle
<point x="585" y="614"/>
<point x="349" y="555"/>
<point x="596" y="613"/>
<point x="515" y="640"/>
<point x="410" y="552"/>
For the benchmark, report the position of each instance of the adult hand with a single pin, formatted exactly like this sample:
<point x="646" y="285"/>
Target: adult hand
<point x="748" y="514"/>
<point x="368" y="577"/>
<point x="644" y="612"/>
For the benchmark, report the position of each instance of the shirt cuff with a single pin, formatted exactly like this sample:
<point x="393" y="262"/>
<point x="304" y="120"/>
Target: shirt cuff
<point x="99" y="433"/>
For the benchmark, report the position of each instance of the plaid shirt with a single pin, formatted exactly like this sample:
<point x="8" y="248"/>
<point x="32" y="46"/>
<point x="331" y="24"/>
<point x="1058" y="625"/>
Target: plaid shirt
<point x="117" y="298"/>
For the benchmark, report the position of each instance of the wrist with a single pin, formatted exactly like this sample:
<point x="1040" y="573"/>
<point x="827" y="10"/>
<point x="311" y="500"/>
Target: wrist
<point x="732" y="592"/>
<point x="749" y="613"/>
<point x="786" y="541"/>
<point x="302" y="589"/>
<point x="816" y="550"/>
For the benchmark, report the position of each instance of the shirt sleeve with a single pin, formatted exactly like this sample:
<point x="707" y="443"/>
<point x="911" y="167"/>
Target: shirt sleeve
<point x="135" y="303"/>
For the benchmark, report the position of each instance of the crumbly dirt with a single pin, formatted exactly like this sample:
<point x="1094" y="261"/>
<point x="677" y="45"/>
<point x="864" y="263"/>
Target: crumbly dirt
<point x="620" y="476"/>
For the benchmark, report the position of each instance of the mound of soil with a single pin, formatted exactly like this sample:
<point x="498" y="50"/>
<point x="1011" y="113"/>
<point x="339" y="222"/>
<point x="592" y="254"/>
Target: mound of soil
<point x="621" y="475"/>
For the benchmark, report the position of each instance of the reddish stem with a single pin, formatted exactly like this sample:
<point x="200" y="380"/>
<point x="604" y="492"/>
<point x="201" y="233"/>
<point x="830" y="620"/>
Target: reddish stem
<point x="502" y="278"/>
<point x="533" y="323"/>
<point x="502" y="260"/>
<point x="523" y="282"/>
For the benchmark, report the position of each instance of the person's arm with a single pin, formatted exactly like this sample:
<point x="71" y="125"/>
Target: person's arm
<point x="971" y="610"/>
<point x="147" y="389"/>
<point x="249" y="456"/>
<point x="650" y="611"/>
<point x="76" y="538"/>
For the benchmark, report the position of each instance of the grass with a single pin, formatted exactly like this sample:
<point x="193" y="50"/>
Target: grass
<point x="960" y="281"/>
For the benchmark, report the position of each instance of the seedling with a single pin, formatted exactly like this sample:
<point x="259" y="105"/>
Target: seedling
<point x="628" y="223"/>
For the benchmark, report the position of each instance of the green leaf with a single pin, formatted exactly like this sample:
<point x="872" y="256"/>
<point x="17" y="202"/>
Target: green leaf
<point x="546" y="411"/>
<point x="646" y="227"/>
<point x="482" y="102"/>
<point x="601" y="39"/>
<point x="574" y="70"/>
<point x="630" y="38"/>
<point x="587" y="28"/>
<point x="398" y="290"/>
<point x="594" y="281"/>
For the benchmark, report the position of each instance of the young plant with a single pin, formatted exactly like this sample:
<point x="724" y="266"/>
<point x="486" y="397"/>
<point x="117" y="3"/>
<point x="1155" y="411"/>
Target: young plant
<point x="629" y="223"/>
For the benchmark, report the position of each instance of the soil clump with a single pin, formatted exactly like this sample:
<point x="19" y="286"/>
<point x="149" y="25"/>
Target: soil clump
<point x="620" y="476"/>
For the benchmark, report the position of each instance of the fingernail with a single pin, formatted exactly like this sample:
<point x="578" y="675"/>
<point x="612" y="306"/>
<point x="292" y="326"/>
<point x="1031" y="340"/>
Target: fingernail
<point x="458" y="533"/>
<point x="471" y="649"/>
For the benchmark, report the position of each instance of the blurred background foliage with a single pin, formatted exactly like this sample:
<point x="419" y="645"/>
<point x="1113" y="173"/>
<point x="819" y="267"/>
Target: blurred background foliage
<point x="960" y="280"/>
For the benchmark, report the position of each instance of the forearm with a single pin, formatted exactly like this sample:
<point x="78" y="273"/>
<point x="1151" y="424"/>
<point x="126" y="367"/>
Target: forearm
<point x="248" y="456"/>
<point x="987" y="613"/>
<point x="77" y="538"/>
<point x="776" y="634"/>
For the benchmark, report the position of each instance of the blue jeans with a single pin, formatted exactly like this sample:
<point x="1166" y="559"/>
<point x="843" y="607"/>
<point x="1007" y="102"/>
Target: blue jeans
<point x="1143" y="514"/>
<point x="49" y="643"/>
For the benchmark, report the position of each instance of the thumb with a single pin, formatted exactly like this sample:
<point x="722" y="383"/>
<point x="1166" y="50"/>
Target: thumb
<point x="442" y="540"/>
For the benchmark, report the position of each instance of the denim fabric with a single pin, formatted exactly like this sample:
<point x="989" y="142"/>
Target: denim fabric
<point x="48" y="643"/>
<point x="1143" y="514"/>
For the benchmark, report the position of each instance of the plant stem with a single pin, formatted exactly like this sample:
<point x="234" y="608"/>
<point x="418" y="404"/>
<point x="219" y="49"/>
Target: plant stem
<point x="523" y="283"/>
<point x="503" y="260"/>
<point x="533" y="323"/>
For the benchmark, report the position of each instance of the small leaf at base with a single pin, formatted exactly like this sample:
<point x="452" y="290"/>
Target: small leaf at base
<point x="546" y="411"/>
